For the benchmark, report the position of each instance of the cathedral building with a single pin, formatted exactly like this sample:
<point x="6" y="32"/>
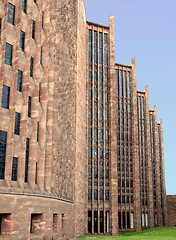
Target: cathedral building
<point x="80" y="150"/>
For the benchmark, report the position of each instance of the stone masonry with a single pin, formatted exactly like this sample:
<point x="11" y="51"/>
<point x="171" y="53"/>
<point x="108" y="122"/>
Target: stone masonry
<point x="80" y="150"/>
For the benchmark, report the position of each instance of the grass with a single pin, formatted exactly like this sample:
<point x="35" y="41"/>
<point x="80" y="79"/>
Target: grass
<point x="159" y="233"/>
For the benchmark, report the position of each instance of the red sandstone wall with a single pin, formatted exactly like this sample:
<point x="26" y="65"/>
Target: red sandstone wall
<point x="171" y="210"/>
<point x="80" y="195"/>
<point x="21" y="207"/>
<point x="61" y="112"/>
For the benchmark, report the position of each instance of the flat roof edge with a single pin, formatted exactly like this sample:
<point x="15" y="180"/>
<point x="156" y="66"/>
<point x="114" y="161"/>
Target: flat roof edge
<point x="98" y="25"/>
<point x="118" y="64"/>
<point x="140" y="92"/>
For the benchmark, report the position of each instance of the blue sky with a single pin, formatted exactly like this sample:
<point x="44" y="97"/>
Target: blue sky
<point x="146" y="30"/>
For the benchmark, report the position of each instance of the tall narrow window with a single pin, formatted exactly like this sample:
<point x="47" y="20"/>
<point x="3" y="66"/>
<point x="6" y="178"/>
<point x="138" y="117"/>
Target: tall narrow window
<point x="17" y="123"/>
<point x="22" y="39"/>
<point x="121" y="84"/>
<point x="42" y="19"/>
<point x="19" y="81"/>
<point x="26" y="160"/>
<point x="33" y="29"/>
<point x="3" y="142"/>
<point x="146" y="219"/>
<point x="128" y="83"/>
<point x="29" y="106"/>
<point x="90" y="46"/>
<point x="8" y="54"/>
<point x="5" y="97"/>
<point x="36" y="173"/>
<point x="89" y="221"/>
<point x="63" y="220"/>
<point x="100" y="48"/>
<point x="106" y="194"/>
<point x="95" y="47"/>
<point x="143" y="220"/>
<point x="117" y="82"/>
<point x="125" y="83"/>
<point x="132" y="220"/>
<point x="41" y="55"/>
<point x="24" y="5"/>
<point x="14" y="169"/>
<point x="31" y="66"/>
<point x="39" y="92"/>
<point x="105" y="49"/>
<point x="37" y="131"/>
<point x="0" y="26"/>
<point x="11" y="13"/>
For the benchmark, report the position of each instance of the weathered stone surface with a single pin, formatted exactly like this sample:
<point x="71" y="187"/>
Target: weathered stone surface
<point x="171" y="210"/>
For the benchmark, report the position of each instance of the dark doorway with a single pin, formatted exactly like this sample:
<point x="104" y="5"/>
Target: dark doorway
<point x="128" y="220"/>
<point x="123" y="219"/>
<point x="101" y="222"/>
<point x="95" y="221"/>
<point x="89" y="221"/>
<point x="119" y="219"/>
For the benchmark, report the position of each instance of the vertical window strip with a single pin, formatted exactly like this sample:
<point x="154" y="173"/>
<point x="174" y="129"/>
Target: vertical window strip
<point x="29" y="106"/>
<point x="153" y="157"/>
<point x="5" y="97"/>
<point x="19" y="81"/>
<point x="17" y="123"/>
<point x="39" y="92"/>
<point x="37" y="131"/>
<point x="159" y="146"/>
<point x="129" y="85"/>
<point x="8" y="54"/>
<point x="139" y="107"/>
<point x="0" y="26"/>
<point x="14" y="169"/>
<point x="27" y="160"/>
<point x="121" y="84"/>
<point x="100" y="48"/>
<point x="105" y="49"/>
<point x="3" y="142"/>
<point x="41" y="52"/>
<point x="36" y="173"/>
<point x="31" y="66"/>
<point x="11" y="14"/>
<point x="90" y="46"/>
<point x="24" y="5"/>
<point x="42" y="20"/>
<point x="22" y="40"/>
<point x="143" y="107"/>
<point x="95" y="47"/>
<point x="117" y="83"/>
<point x="33" y="29"/>
<point x="125" y="83"/>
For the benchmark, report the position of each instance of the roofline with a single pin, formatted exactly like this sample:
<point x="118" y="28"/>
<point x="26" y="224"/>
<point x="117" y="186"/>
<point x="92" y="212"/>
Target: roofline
<point x="98" y="25"/>
<point x="118" y="64"/>
<point x="140" y="92"/>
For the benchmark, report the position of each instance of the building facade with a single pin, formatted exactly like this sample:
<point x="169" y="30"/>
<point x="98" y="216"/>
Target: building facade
<point x="43" y="172"/>
<point x="80" y="151"/>
<point x="126" y="179"/>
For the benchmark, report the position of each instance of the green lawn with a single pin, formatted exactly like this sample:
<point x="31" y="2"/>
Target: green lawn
<point x="159" y="233"/>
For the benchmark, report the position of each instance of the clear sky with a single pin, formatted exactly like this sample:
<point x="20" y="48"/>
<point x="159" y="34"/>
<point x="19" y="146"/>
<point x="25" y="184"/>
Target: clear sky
<point x="146" y="30"/>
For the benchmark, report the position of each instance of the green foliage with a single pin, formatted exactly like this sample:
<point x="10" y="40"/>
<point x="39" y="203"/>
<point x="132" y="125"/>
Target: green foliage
<point x="159" y="233"/>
